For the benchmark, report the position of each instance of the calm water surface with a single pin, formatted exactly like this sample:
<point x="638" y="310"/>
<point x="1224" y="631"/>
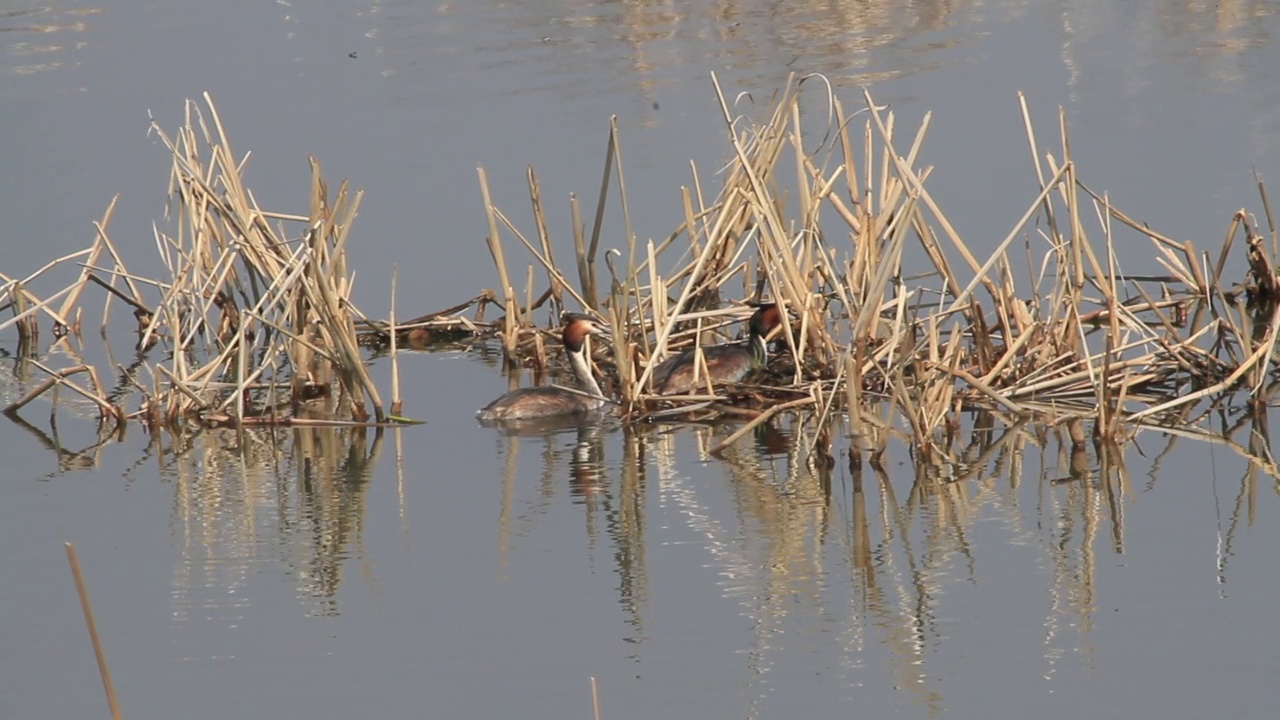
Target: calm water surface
<point x="451" y="571"/>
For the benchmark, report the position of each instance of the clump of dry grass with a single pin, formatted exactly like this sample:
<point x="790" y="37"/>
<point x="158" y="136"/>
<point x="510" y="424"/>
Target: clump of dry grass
<point x="1057" y="332"/>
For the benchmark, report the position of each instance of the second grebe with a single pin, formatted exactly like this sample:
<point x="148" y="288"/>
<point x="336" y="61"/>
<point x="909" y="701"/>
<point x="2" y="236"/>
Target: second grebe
<point x="550" y="401"/>
<point x="724" y="363"/>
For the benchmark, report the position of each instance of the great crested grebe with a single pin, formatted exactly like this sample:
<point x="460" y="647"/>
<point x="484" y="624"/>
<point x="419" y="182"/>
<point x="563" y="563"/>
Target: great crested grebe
<point x="725" y="363"/>
<point x="550" y="401"/>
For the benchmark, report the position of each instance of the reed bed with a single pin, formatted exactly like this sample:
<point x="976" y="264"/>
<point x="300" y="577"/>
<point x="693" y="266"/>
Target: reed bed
<point x="252" y="322"/>
<point x="252" y="319"/>
<point x="1047" y="327"/>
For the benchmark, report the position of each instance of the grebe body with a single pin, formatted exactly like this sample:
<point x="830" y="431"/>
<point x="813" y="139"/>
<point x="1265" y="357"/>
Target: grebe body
<point x="549" y="401"/>
<point x="724" y="363"/>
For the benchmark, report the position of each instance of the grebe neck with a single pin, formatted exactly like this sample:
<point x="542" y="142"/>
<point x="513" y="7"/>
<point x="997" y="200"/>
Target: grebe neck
<point x="759" y="348"/>
<point x="765" y="319"/>
<point x="581" y="368"/>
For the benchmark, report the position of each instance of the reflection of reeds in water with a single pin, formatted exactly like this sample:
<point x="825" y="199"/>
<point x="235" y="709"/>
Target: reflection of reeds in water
<point x="788" y="511"/>
<point x="261" y="496"/>
<point x="619" y="507"/>
<point x="42" y="38"/>
<point x="602" y="47"/>
<point x="797" y="538"/>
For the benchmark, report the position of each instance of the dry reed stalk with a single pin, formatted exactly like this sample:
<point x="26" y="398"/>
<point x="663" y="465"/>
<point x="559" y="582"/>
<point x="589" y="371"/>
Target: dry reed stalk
<point x="758" y="420"/>
<point x="544" y="237"/>
<point x="24" y="316"/>
<point x="1264" y="460"/>
<point x="261" y="421"/>
<point x="95" y="251"/>
<point x="17" y="291"/>
<point x="494" y="241"/>
<point x="59" y="378"/>
<point x="913" y="180"/>
<point x="547" y="262"/>
<point x="119" y="263"/>
<point x="628" y="233"/>
<point x="587" y="256"/>
<point x="1271" y="218"/>
<point x="35" y="392"/>
<point x="664" y="329"/>
<point x="773" y="240"/>
<point x="337" y="327"/>
<point x="595" y="699"/>
<point x="393" y="331"/>
<point x="98" y="653"/>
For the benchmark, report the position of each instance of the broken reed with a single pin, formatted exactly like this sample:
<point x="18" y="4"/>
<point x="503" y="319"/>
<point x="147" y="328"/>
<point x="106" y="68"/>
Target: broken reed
<point x="254" y="311"/>
<point x="1055" y="332"/>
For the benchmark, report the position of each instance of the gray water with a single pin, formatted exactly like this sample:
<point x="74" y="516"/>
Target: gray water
<point x="450" y="571"/>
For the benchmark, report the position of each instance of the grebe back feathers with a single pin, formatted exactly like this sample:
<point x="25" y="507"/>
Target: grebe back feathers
<point x="724" y="363"/>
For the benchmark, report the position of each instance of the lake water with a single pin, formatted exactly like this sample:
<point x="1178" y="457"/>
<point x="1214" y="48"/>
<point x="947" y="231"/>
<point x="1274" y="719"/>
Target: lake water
<point x="450" y="571"/>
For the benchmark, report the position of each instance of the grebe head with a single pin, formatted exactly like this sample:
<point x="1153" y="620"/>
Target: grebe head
<point x="764" y="320"/>
<point x="576" y="329"/>
<point x="574" y="337"/>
